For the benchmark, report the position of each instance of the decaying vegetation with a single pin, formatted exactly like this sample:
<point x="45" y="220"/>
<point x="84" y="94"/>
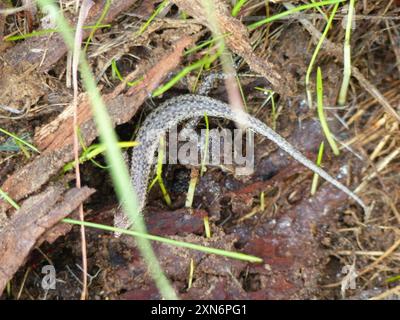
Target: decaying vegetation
<point x="287" y="63"/>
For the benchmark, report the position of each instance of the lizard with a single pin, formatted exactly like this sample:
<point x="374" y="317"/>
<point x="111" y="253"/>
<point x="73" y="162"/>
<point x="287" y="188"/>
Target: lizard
<point x="190" y="106"/>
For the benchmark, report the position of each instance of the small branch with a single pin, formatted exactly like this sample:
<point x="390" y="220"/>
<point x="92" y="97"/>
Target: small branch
<point x="83" y="13"/>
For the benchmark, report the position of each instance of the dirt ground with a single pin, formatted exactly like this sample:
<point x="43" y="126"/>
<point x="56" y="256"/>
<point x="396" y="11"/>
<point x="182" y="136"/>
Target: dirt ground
<point x="321" y="246"/>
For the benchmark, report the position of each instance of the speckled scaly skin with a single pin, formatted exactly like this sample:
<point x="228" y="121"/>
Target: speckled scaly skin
<point x="185" y="107"/>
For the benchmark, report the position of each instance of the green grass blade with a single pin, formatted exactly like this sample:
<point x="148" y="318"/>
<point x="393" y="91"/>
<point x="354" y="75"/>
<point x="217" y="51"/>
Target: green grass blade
<point x="273" y="105"/>
<point x="6" y="197"/>
<point x="237" y="7"/>
<point x="291" y="11"/>
<point x="315" y="54"/>
<point x="393" y="279"/>
<point x="320" y="11"/>
<point x="95" y="150"/>
<point x="205" y="151"/>
<point x="220" y="252"/>
<point x="158" y="178"/>
<point x="47" y="31"/>
<point x="347" y="56"/>
<point x="118" y="169"/>
<point x="194" y="176"/>
<point x="321" y="115"/>
<point x="314" y="184"/>
<point x="182" y="73"/>
<point x="20" y="140"/>
<point x="204" y="44"/>
<point x="116" y="72"/>
<point x="98" y="23"/>
<point x="156" y="12"/>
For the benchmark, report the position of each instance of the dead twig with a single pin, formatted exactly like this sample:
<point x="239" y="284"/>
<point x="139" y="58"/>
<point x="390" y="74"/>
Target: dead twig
<point x="83" y="12"/>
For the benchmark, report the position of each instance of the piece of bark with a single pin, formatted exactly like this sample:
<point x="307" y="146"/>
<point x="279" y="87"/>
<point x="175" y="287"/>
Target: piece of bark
<point x="236" y="37"/>
<point x="36" y="215"/>
<point x="48" y="49"/>
<point x="59" y="230"/>
<point x="55" y="139"/>
<point x="120" y="107"/>
<point x="33" y="175"/>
